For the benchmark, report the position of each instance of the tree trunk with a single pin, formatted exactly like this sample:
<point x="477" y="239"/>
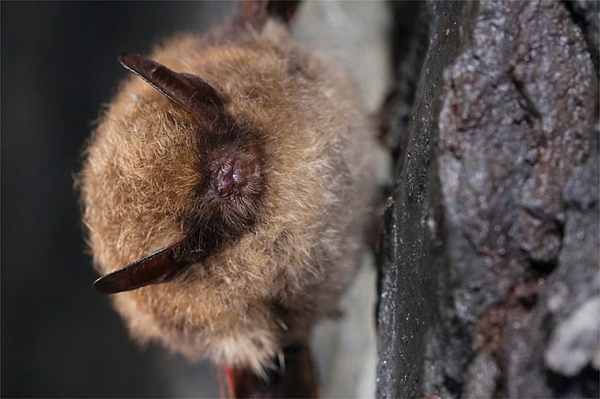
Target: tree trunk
<point x="489" y="281"/>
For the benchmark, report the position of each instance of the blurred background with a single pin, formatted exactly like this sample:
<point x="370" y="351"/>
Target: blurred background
<point x="58" y="60"/>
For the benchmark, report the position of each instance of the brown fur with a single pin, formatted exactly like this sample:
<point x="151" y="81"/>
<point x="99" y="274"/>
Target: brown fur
<point x="139" y="186"/>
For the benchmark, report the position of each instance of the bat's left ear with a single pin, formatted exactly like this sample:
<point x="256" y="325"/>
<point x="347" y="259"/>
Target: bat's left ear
<point x="191" y="93"/>
<point x="159" y="267"/>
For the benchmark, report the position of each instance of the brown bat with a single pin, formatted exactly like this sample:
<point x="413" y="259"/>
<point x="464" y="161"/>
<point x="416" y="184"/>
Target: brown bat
<point x="233" y="177"/>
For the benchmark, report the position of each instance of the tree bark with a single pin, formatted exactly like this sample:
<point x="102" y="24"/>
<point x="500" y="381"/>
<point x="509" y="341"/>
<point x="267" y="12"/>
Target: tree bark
<point x="489" y="282"/>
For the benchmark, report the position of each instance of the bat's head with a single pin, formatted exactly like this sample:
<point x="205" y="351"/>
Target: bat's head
<point x="228" y="182"/>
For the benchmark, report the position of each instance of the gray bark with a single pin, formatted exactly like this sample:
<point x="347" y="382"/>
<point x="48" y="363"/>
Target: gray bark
<point x="489" y="282"/>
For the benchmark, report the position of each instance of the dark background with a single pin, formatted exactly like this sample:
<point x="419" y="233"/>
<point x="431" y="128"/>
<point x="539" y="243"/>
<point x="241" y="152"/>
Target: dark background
<point x="59" y="338"/>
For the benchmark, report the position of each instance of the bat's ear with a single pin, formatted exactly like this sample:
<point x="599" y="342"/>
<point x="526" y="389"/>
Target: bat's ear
<point x="256" y="12"/>
<point x="191" y="93"/>
<point x="159" y="267"/>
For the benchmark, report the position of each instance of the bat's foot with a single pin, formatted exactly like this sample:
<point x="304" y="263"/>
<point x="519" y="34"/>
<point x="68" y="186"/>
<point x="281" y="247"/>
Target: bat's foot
<point x="295" y="378"/>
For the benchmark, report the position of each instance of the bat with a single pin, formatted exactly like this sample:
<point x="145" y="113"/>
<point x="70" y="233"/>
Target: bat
<point x="226" y="193"/>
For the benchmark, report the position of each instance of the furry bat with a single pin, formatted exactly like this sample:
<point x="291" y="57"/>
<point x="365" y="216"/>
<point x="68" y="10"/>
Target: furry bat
<point x="232" y="175"/>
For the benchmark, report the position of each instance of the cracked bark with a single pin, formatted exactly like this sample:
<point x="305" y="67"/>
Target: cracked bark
<point x="489" y="275"/>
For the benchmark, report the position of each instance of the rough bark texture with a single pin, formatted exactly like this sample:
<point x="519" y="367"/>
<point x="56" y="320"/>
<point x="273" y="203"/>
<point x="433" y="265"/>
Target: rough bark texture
<point x="489" y="280"/>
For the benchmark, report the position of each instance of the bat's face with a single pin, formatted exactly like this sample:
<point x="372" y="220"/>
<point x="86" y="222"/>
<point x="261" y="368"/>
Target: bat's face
<point x="237" y="176"/>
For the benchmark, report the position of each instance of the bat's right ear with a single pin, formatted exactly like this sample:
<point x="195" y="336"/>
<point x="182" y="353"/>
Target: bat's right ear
<point x="159" y="267"/>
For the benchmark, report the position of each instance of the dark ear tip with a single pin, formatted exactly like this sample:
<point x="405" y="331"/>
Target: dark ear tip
<point x="129" y="60"/>
<point x="103" y="286"/>
<point x="123" y="58"/>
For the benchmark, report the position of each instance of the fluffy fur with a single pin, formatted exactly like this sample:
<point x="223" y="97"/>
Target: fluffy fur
<point x="139" y="185"/>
